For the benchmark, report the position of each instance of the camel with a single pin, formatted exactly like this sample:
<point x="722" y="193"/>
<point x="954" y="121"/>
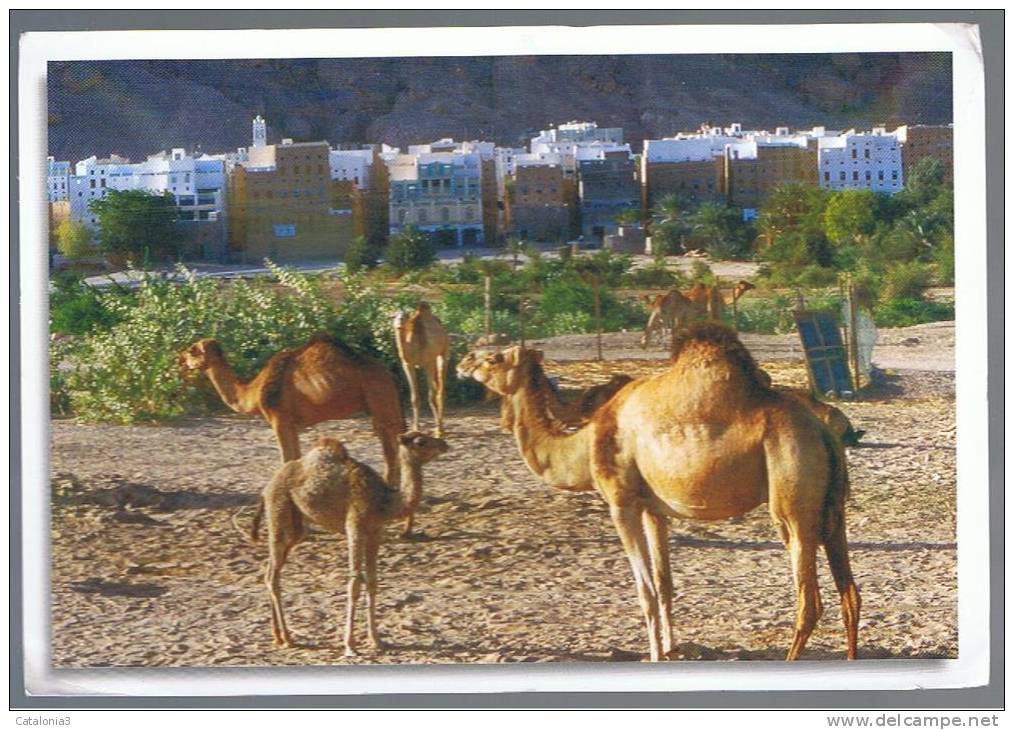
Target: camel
<point x="423" y="343"/>
<point x="833" y="417"/>
<point x="572" y="414"/>
<point x="322" y="381"/>
<point x="330" y="489"/>
<point x="706" y="439"/>
<point x="673" y="309"/>
<point x="710" y="297"/>
<point x="669" y="311"/>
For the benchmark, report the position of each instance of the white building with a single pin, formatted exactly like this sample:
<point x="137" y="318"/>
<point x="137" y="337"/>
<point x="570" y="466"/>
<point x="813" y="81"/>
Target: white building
<point x="351" y="165"/>
<point x="198" y="185"/>
<point x="860" y="161"/>
<point x="580" y="132"/>
<point x="58" y="180"/>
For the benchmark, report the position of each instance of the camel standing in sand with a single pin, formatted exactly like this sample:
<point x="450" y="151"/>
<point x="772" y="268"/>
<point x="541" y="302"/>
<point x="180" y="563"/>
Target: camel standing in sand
<point x="670" y="311"/>
<point x="706" y="439"/>
<point x="423" y="343"/>
<point x="330" y="489"/>
<point x="322" y="381"/>
<point x="711" y="299"/>
<point x="674" y="310"/>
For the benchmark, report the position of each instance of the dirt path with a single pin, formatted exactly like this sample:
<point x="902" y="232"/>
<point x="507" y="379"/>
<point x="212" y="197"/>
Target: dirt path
<point x="926" y="347"/>
<point x="148" y="569"/>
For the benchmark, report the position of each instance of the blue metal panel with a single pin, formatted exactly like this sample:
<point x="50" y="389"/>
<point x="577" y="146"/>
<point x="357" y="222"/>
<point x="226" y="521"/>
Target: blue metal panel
<point x="825" y="352"/>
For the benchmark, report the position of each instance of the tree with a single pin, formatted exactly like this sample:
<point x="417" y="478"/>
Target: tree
<point x="135" y="223"/>
<point x="628" y="217"/>
<point x="74" y="240"/>
<point x="721" y="230"/>
<point x="409" y="250"/>
<point x="850" y="220"/>
<point x="359" y="255"/>
<point x="795" y="208"/>
<point x="669" y="224"/>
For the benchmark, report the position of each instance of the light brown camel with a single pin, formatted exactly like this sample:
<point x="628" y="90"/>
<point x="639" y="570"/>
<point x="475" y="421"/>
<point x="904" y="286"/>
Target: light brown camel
<point x="832" y="416"/>
<point x="711" y="299"/>
<point x="670" y="311"/>
<point x="333" y="491"/>
<point x="423" y="343"/>
<point x="572" y="414"/>
<point x="706" y="439"/>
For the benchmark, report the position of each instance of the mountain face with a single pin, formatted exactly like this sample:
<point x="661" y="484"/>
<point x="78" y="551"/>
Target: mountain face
<point x="135" y="108"/>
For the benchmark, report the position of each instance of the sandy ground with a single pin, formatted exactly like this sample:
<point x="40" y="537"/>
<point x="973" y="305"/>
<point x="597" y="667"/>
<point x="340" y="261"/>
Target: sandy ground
<point x="149" y="570"/>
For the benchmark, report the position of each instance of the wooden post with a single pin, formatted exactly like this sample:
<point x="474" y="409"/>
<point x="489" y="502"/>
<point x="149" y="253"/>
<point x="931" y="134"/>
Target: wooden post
<point x="598" y="322"/>
<point x="853" y="338"/>
<point x="735" y="311"/>
<point x="488" y="306"/>
<point x="521" y="320"/>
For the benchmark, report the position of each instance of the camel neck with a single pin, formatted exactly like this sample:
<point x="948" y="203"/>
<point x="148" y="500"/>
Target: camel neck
<point x="559" y="459"/>
<point x="410" y="493"/>
<point x="230" y="388"/>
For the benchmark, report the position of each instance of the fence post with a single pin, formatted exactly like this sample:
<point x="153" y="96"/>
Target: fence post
<point x="488" y="306"/>
<point x="521" y="320"/>
<point x="598" y="322"/>
<point x="853" y="338"/>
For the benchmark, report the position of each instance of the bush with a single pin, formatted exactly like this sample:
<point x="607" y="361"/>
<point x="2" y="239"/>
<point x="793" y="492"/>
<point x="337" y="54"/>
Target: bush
<point x="904" y="280"/>
<point x="128" y="372"/>
<point x="655" y="275"/>
<point x="410" y="250"/>
<point x="75" y="308"/>
<point x="906" y="312"/>
<point x="359" y="255"/>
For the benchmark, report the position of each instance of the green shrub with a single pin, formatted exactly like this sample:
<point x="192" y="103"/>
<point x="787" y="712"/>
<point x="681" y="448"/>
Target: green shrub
<point x="410" y="250"/>
<point x="905" y="312"/>
<point x="76" y="308"/>
<point x="904" y="280"/>
<point x="359" y="255"/>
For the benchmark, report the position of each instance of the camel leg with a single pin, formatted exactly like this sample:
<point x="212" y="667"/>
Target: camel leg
<point x="357" y="550"/>
<point x="506" y="415"/>
<point x="287" y="436"/>
<point x="627" y="519"/>
<point x="372" y="548"/>
<point x="836" y="547"/>
<point x="439" y="389"/>
<point x="413" y="388"/>
<point x="283" y="533"/>
<point x="656" y="530"/>
<point x="803" y="549"/>
<point x="385" y="411"/>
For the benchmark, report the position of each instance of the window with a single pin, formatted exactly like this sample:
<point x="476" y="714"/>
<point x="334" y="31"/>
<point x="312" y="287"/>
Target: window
<point x="186" y="178"/>
<point x="827" y="176"/>
<point x="855" y="175"/>
<point x="868" y="175"/>
<point x="866" y="153"/>
<point x="102" y="182"/>
<point x="894" y="174"/>
<point x="841" y="176"/>
<point x="880" y="175"/>
<point x="854" y="151"/>
<point x="92" y="183"/>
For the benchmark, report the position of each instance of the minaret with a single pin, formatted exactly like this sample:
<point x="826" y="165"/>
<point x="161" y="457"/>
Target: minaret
<point x="260" y="132"/>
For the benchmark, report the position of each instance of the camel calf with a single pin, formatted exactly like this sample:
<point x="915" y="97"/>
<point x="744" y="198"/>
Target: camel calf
<point x="333" y="491"/>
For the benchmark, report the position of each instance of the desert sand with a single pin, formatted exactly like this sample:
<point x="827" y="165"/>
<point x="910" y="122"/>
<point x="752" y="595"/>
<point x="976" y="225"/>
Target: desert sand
<point x="149" y="568"/>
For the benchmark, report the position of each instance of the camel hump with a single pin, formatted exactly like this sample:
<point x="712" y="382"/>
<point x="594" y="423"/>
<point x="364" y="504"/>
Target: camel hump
<point x="724" y="340"/>
<point x="336" y="344"/>
<point x="274" y="377"/>
<point x="332" y="446"/>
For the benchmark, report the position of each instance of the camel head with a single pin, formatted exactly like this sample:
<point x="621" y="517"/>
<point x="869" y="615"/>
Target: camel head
<point x="502" y="372"/>
<point x="200" y="356"/>
<point x="420" y="448"/>
<point x="741" y="288"/>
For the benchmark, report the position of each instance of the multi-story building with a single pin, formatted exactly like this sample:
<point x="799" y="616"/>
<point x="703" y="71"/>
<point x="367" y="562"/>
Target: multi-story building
<point x="440" y="193"/>
<point x="687" y="166"/>
<point x="580" y="132"/>
<point x="921" y="141"/>
<point x="198" y="186"/>
<point x="751" y="170"/>
<point x="540" y="202"/>
<point x="607" y="187"/>
<point x="58" y="180"/>
<point x="861" y="161"/>
<point x="281" y="205"/>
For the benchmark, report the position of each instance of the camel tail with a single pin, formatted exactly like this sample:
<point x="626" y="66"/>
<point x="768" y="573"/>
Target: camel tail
<point x="836" y="542"/>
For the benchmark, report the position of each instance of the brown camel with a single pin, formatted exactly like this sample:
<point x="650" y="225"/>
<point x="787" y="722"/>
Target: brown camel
<point x="333" y="491"/>
<point x="711" y="299"/>
<point x="833" y="417"/>
<point x="571" y="414"/>
<point x="670" y="311"/>
<point x="423" y="343"/>
<point x="674" y="310"/>
<point x="706" y="439"/>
